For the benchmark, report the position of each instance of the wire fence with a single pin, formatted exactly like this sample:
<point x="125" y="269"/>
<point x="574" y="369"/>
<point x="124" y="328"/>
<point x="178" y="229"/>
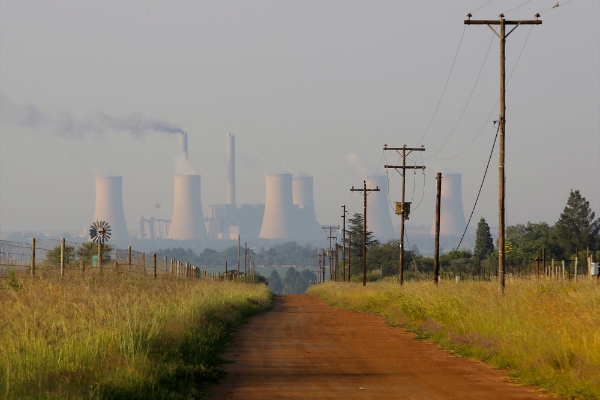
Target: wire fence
<point x="46" y="257"/>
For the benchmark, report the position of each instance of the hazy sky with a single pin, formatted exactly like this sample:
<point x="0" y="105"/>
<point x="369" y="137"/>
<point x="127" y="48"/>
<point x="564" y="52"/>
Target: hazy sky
<point x="312" y="87"/>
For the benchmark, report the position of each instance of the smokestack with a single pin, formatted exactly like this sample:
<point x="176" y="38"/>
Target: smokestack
<point x="231" y="169"/>
<point x="379" y="220"/>
<point x="109" y="205"/>
<point x="278" y="220"/>
<point x="187" y="222"/>
<point x="183" y="144"/>
<point x="452" y="216"/>
<point x="302" y="192"/>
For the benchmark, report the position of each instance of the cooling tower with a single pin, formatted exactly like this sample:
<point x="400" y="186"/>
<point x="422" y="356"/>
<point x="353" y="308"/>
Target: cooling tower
<point x="187" y="222"/>
<point x="183" y="144"/>
<point x="379" y="220"/>
<point x="302" y="193"/>
<point x="231" y="169"/>
<point x="279" y="217"/>
<point x="109" y="205"/>
<point x="452" y="216"/>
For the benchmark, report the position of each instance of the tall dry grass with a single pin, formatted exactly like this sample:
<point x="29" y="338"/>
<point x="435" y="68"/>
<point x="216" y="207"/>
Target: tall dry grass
<point x="546" y="334"/>
<point x="117" y="336"/>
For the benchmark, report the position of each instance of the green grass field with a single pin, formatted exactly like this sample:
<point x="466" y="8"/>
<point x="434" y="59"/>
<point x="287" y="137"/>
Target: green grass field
<point x="118" y="336"/>
<point x="546" y="334"/>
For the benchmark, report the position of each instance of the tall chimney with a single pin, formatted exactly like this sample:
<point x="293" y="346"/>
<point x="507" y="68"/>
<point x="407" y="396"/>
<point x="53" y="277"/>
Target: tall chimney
<point x="378" y="208"/>
<point x="278" y="220"/>
<point x="306" y="222"/>
<point x="231" y="169"/>
<point x="109" y="205"/>
<point x="183" y="144"/>
<point x="187" y="222"/>
<point x="452" y="216"/>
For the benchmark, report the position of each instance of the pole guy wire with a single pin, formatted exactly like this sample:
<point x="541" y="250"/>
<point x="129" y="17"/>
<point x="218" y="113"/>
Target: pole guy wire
<point x="480" y="187"/>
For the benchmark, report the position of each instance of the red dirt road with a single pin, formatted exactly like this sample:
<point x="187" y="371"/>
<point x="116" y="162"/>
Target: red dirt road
<point x="304" y="349"/>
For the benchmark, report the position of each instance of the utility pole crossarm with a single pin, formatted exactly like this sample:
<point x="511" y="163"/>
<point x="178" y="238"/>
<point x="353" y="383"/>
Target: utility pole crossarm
<point x="506" y="22"/>
<point x="405" y="167"/>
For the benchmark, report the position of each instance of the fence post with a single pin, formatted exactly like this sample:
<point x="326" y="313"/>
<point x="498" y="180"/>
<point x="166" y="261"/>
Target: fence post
<point x="154" y="265"/>
<point x="99" y="261"/>
<point x="32" y="257"/>
<point x="82" y="267"/>
<point x="576" y="262"/>
<point x="166" y="264"/>
<point x="129" y="257"/>
<point x="144" y="261"/>
<point x="62" y="257"/>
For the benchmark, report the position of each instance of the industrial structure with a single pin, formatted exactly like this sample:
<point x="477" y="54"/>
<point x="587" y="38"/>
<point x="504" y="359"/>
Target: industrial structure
<point x="378" y="209"/>
<point x="306" y="225"/>
<point x="288" y="213"/>
<point x="187" y="222"/>
<point x="452" y="216"/>
<point x="109" y="205"/>
<point x="152" y="228"/>
<point x="279" y="218"/>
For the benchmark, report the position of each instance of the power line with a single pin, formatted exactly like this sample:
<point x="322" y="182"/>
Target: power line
<point x="472" y="12"/>
<point x="445" y="86"/>
<point x="556" y="6"/>
<point x="497" y="101"/>
<point x="513" y="9"/>
<point x="468" y="100"/>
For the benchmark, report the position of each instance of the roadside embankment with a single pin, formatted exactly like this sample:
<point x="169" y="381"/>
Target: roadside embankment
<point x="545" y="334"/>
<point x="118" y="336"/>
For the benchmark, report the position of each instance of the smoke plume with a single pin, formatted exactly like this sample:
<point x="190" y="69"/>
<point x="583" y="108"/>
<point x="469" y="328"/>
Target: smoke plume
<point x="65" y="125"/>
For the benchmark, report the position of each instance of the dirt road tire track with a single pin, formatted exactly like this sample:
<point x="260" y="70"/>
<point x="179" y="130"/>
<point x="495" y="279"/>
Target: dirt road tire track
<point x="304" y="349"/>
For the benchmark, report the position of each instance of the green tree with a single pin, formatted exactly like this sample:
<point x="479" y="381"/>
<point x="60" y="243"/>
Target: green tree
<point x="484" y="243"/>
<point x="275" y="284"/>
<point x="53" y="256"/>
<point x="577" y="226"/>
<point x="86" y="251"/>
<point x="355" y="236"/>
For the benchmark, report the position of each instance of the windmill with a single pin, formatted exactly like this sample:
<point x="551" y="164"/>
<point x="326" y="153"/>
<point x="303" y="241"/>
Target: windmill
<point x="99" y="233"/>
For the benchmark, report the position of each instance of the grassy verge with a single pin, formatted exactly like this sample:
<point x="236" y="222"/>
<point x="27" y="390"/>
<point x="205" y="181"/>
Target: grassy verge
<point x="124" y="336"/>
<point x="546" y="334"/>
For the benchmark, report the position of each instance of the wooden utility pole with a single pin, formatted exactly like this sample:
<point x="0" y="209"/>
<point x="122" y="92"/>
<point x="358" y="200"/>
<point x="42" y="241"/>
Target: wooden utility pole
<point x="436" y="249"/>
<point x="332" y="272"/>
<point x="32" y="266"/>
<point x="344" y="241"/>
<point x="403" y="208"/>
<point x="349" y="255"/>
<point x="365" y="192"/>
<point x="502" y="35"/>
<point x="245" y="260"/>
<point x="239" y="250"/>
<point x="62" y="257"/>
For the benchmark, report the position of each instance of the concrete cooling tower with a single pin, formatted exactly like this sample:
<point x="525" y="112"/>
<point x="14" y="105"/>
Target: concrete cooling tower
<point x="302" y="192"/>
<point x="109" y="205"/>
<point x="187" y="222"/>
<point x="279" y="217"/>
<point x="231" y="169"/>
<point x="379" y="220"/>
<point x="452" y="216"/>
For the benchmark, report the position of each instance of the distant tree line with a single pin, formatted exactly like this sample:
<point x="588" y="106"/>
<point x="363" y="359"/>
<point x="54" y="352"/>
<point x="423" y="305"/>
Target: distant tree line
<point x="286" y="254"/>
<point x="576" y="229"/>
<point x="293" y="282"/>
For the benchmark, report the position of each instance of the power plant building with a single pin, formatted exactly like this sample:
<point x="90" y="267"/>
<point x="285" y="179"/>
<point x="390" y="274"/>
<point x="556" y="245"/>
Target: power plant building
<point x="187" y="222"/>
<point x="379" y="220"/>
<point x="452" y="216"/>
<point x="109" y="205"/>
